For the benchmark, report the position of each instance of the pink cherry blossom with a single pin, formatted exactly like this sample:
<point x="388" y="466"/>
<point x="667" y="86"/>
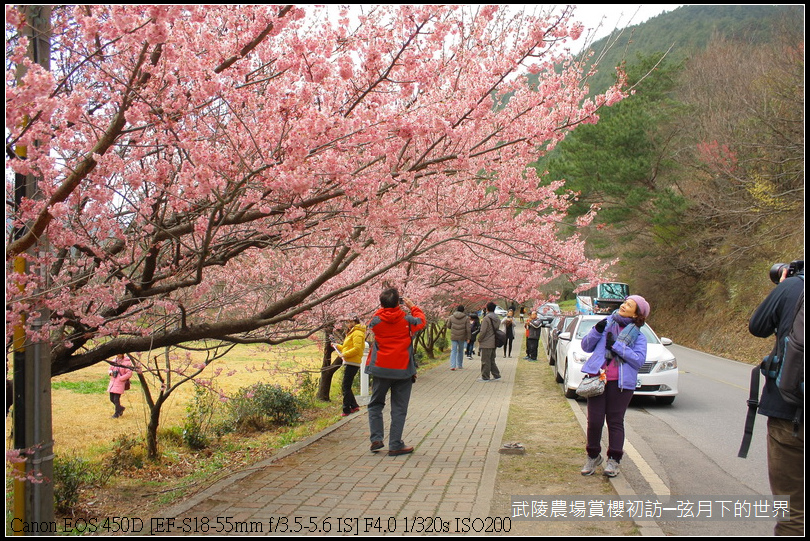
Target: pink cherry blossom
<point x="248" y="173"/>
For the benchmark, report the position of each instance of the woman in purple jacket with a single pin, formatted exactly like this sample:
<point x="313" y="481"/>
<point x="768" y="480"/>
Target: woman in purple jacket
<point x="619" y="349"/>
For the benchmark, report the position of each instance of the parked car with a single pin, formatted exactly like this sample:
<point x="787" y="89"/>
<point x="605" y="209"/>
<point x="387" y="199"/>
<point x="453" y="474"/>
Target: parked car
<point x="658" y="377"/>
<point x="562" y="323"/>
<point x="500" y="312"/>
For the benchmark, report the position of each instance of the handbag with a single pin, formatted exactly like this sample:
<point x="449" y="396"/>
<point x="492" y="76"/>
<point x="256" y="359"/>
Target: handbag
<point x="500" y="338"/>
<point x="591" y="386"/>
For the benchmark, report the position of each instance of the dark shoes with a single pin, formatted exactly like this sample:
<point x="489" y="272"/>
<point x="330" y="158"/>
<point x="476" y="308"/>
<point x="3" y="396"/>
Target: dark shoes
<point x="353" y="410"/>
<point x="377" y="445"/>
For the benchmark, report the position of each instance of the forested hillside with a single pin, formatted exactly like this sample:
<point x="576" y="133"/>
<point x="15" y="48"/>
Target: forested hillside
<point x="700" y="174"/>
<point x="688" y="30"/>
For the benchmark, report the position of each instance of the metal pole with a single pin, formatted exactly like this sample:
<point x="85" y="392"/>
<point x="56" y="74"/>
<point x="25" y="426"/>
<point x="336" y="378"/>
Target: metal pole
<point x="363" y="376"/>
<point x="33" y="431"/>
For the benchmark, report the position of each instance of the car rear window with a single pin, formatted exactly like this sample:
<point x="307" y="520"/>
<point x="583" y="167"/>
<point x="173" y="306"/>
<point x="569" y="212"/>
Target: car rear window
<point x="584" y="327"/>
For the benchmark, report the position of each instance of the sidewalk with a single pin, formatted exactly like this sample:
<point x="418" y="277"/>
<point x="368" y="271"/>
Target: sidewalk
<point x="333" y="484"/>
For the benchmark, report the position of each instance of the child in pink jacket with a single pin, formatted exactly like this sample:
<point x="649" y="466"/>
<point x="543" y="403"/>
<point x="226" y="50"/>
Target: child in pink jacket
<point x="120" y="371"/>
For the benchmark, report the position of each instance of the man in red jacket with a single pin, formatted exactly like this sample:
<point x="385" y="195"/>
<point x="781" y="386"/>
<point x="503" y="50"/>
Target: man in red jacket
<point x="392" y="365"/>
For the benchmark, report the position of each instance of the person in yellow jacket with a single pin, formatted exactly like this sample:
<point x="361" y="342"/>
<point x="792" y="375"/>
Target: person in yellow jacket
<point x="351" y="351"/>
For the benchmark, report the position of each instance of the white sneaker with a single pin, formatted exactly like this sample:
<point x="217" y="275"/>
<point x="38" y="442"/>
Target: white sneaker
<point x="611" y="468"/>
<point x="590" y="466"/>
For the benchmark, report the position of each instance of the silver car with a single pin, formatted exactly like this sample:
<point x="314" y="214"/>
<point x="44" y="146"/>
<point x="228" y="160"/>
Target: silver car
<point x="658" y="377"/>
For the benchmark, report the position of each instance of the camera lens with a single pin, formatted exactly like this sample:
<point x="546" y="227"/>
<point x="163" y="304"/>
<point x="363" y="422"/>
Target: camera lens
<point x="776" y="272"/>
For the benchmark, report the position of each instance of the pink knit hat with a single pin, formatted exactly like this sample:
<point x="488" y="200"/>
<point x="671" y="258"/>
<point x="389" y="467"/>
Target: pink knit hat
<point x="643" y="305"/>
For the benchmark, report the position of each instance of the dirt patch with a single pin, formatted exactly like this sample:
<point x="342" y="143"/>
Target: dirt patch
<point x="541" y="419"/>
<point x="146" y="491"/>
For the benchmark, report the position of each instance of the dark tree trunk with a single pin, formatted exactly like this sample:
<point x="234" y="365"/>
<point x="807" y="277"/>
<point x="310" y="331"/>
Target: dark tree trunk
<point x="430" y="337"/>
<point x="328" y="369"/>
<point x="152" y="428"/>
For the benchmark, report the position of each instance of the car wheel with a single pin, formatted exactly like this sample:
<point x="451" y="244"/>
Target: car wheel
<point x="664" y="400"/>
<point x="569" y="393"/>
<point x="557" y="377"/>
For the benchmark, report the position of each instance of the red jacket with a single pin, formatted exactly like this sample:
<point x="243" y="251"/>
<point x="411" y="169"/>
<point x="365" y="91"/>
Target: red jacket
<point x="392" y="351"/>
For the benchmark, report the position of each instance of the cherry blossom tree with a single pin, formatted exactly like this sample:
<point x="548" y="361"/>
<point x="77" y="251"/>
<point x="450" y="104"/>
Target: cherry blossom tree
<point x="239" y="173"/>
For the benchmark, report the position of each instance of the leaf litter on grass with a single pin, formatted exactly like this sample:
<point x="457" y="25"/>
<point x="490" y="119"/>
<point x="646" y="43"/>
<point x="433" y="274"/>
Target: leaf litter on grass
<point x="542" y="420"/>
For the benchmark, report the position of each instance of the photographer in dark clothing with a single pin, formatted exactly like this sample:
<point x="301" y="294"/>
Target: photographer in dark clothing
<point x="785" y="441"/>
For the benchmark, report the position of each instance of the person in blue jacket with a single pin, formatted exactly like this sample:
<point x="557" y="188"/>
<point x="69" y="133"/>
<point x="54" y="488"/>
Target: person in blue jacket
<point x="619" y="350"/>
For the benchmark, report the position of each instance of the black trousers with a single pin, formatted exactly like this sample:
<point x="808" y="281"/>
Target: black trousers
<point x="349" y="402"/>
<point x="531" y="348"/>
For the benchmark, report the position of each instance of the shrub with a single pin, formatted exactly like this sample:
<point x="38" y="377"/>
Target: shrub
<point x="198" y="419"/>
<point x="308" y="388"/>
<point x="127" y="453"/>
<point x="70" y="476"/>
<point x="261" y="405"/>
<point x="442" y="342"/>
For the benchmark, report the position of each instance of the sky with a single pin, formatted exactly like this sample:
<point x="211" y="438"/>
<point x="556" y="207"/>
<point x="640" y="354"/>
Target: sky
<point x="591" y="15"/>
<point x="616" y="16"/>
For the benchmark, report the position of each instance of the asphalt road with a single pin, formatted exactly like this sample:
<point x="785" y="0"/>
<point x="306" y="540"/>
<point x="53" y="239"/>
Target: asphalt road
<point x="690" y="448"/>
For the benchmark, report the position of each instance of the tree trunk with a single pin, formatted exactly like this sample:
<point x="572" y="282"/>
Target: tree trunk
<point x="429" y="337"/>
<point x="151" y="429"/>
<point x="328" y="369"/>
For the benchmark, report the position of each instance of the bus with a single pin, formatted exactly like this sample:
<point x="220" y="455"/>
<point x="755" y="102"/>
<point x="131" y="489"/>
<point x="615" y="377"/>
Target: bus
<point x="602" y="298"/>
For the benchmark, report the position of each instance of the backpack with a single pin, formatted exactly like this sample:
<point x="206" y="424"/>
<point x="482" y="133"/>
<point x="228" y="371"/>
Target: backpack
<point x="790" y="379"/>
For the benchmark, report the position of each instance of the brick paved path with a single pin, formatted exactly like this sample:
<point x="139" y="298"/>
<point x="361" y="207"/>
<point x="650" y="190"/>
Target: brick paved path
<point x="331" y="483"/>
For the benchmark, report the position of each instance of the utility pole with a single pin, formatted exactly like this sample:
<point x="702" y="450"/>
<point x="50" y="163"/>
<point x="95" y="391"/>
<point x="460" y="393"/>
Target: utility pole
<point x="32" y="424"/>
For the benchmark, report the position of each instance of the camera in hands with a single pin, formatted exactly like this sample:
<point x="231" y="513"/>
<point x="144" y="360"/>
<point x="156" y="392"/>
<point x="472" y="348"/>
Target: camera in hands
<point x="793" y="268"/>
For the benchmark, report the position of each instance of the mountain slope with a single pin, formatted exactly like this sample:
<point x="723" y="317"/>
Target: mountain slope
<point x="688" y="29"/>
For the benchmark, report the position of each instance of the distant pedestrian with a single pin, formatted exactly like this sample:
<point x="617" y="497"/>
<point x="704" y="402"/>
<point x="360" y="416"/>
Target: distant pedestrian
<point x="475" y="330"/>
<point x="490" y="323"/>
<point x="618" y="349"/>
<point x="120" y="373"/>
<point x="460" y="334"/>
<point x="351" y="351"/>
<point x="533" y="328"/>
<point x="508" y="324"/>
<point x="392" y="366"/>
